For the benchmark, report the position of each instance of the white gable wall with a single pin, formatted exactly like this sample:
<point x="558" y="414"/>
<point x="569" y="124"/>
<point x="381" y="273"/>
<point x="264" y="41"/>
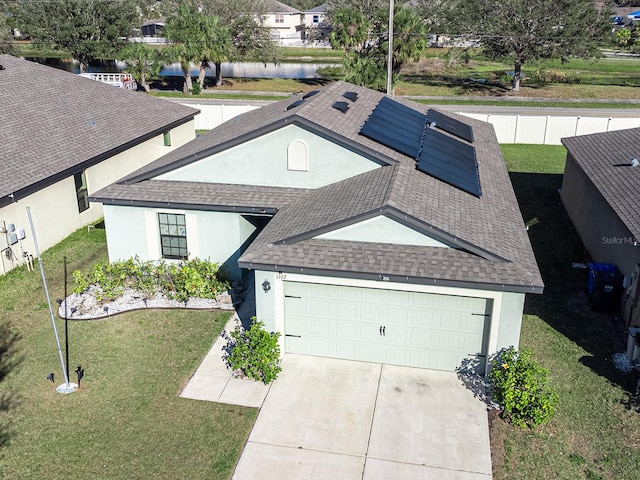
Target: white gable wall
<point x="382" y="229"/>
<point x="263" y="161"/>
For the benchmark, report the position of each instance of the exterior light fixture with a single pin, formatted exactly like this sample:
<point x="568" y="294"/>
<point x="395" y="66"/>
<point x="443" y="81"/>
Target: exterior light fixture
<point x="80" y="372"/>
<point x="266" y="286"/>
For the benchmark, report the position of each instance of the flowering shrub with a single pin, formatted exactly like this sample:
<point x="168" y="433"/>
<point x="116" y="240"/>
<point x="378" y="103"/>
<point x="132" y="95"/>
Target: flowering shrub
<point x="193" y="278"/>
<point x="254" y="352"/>
<point x="520" y="388"/>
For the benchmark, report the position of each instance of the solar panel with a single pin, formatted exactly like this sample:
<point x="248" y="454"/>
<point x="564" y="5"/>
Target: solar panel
<point x="396" y="126"/>
<point x="310" y="94"/>
<point x="451" y="125"/>
<point x="294" y="105"/>
<point x="451" y="161"/>
<point x="353" y="96"/>
<point x="342" y="106"/>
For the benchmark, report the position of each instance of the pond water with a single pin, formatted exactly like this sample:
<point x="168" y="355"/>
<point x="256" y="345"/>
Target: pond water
<point x="301" y="70"/>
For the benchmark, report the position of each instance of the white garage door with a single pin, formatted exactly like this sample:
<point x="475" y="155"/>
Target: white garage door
<point x="385" y="326"/>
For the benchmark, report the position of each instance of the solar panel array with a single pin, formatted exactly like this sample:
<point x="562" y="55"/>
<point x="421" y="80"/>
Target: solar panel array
<point x="439" y="155"/>
<point x="451" y="125"/>
<point x="451" y="161"/>
<point x="396" y="126"/>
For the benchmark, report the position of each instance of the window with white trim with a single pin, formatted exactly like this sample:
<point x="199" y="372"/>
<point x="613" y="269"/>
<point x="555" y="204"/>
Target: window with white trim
<point x="173" y="235"/>
<point x="298" y="156"/>
<point x="279" y="18"/>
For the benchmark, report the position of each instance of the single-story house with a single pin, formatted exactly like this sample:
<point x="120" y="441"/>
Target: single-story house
<point x="65" y="137"/>
<point x="373" y="229"/>
<point x="601" y="194"/>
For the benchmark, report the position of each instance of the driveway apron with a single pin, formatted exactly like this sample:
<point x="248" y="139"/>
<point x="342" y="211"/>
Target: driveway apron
<point x="336" y="419"/>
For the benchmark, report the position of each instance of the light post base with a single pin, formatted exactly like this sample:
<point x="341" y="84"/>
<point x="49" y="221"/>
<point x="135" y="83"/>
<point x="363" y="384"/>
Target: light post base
<point x="64" y="388"/>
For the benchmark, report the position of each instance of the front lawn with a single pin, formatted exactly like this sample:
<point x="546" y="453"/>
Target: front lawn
<point x="596" y="431"/>
<point x="127" y="420"/>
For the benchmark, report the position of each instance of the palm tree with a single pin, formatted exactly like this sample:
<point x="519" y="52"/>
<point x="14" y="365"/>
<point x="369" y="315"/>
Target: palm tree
<point x="143" y="63"/>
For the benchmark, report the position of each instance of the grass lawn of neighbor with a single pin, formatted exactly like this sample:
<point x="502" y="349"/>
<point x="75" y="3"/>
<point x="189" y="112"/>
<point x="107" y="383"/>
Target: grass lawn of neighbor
<point x="595" y="433"/>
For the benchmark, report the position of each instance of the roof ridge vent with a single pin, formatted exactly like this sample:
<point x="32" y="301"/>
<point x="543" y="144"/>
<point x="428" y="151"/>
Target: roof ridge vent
<point x="634" y="162"/>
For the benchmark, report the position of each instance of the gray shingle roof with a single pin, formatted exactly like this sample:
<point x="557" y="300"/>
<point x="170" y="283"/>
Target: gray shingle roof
<point x="606" y="158"/>
<point x="492" y="244"/>
<point x="54" y="121"/>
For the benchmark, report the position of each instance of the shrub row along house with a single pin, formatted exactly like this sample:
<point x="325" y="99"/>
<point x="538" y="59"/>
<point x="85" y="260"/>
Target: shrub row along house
<point x="65" y="137"/>
<point x="374" y="228"/>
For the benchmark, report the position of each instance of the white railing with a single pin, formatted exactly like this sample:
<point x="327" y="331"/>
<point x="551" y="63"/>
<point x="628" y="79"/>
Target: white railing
<point x="120" y="80"/>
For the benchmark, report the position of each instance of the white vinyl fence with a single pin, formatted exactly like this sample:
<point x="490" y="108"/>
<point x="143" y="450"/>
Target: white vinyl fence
<point x="510" y="128"/>
<point x="548" y="129"/>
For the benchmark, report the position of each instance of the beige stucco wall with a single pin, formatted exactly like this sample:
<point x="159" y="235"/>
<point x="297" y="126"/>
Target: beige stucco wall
<point x="54" y="209"/>
<point x="604" y="235"/>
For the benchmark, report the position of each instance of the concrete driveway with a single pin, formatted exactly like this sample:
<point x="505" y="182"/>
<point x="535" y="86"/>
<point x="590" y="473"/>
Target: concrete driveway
<point x="337" y="419"/>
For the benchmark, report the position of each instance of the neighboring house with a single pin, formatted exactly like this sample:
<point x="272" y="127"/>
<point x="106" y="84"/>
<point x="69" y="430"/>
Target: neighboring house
<point x="153" y="28"/>
<point x="356" y="249"/>
<point x="315" y="22"/>
<point x="601" y="194"/>
<point x="285" y="22"/>
<point x="65" y="137"/>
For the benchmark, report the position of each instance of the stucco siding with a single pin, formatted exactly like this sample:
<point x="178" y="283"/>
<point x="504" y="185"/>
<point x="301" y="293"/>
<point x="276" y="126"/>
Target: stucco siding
<point x="604" y="235"/>
<point x="510" y="319"/>
<point x="214" y="236"/>
<point x="383" y="230"/>
<point x="250" y="164"/>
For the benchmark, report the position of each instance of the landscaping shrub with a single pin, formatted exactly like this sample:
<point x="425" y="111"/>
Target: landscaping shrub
<point x="193" y="278"/>
<point x="253" y="352"/>
<point x="520" y="388"/>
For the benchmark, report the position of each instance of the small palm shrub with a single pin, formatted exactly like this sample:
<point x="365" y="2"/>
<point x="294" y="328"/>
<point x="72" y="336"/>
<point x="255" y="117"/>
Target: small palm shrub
<point x="520" y="387"/>
<point x="254" y="352"/>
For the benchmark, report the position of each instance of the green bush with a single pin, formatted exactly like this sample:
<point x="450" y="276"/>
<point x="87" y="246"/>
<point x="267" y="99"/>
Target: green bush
<point x="520" y="388"/>
<point x="193" y="278"/>
<point x="254" y="352"/>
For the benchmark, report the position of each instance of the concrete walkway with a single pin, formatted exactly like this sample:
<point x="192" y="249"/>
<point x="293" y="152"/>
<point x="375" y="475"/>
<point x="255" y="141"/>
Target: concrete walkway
<point x="335" y="419"/>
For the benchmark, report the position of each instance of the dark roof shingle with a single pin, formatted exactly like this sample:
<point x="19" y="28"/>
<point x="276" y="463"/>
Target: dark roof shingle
<point x="492" y="245"/>
<point x="54" y="121"/>
<point x="606" y="159"/>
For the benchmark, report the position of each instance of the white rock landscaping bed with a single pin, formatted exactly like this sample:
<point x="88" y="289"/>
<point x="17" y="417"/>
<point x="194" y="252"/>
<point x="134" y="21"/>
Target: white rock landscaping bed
<point x="85" y="306"/>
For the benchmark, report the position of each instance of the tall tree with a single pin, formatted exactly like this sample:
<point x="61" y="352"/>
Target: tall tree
<point x="522" y="31"/>
<point x="143" y="63"/>
<point x="366" y="43"/>
<point x="86" y="29"/>
<point x="251" y="40"/>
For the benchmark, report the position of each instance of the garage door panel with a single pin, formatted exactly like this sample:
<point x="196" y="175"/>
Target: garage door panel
<point x="421" y="330"/>
<point x="346" y="310"/>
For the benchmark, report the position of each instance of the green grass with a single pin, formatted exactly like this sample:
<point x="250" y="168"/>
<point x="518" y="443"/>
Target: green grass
<point x="596" y="432"/>
<point x="127" y="421"/>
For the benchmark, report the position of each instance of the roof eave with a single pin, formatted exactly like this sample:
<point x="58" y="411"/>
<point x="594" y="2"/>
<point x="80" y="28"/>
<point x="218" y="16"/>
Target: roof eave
<point x="389" y="278"/>
<point x="79" y="167"/>
<point x="184" y="206"/>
